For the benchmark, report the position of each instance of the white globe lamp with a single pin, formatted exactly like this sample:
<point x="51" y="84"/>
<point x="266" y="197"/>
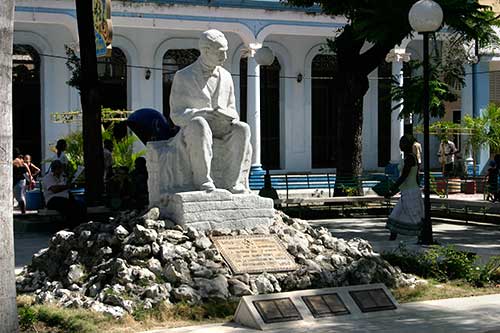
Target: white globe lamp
<point x="264" y="56"/>
<point x="425" y="16"/>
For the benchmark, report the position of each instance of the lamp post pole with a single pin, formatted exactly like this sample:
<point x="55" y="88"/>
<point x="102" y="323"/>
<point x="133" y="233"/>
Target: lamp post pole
<point x="427" y="226"/>
<point x="426" y="16"/>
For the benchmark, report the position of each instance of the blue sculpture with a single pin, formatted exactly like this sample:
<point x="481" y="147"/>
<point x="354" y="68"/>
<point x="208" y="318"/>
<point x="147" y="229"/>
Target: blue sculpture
<point x="151" y="125"/>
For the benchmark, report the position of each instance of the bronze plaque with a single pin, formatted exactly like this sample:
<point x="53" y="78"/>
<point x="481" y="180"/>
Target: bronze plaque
<point x="254" y="254"/>
<point x="372" y="300"/>
<point x="277" y="310"/>
<point x="326" y="305"/>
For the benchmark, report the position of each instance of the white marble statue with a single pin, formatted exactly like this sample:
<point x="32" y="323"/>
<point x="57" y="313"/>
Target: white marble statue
<point x="212" y="149"/>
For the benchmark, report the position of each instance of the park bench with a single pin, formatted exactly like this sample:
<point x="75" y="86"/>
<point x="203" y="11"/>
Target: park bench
<point x="323" y="185"/>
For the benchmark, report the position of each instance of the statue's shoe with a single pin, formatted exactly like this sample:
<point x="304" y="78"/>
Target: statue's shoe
<point x="208" y="186"/>
<point x="238" y="189"/>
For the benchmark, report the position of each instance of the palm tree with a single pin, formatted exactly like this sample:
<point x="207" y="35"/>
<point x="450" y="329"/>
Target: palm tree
<point x="8" y="309"/>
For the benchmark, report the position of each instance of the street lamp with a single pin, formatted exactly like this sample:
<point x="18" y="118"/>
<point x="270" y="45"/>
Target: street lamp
<point x="426" y="16"/>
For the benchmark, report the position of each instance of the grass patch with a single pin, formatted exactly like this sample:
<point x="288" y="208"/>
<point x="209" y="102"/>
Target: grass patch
<point x="54" y="319"/>
<point x="436" y="290"/>
<point x="38" y="318"/>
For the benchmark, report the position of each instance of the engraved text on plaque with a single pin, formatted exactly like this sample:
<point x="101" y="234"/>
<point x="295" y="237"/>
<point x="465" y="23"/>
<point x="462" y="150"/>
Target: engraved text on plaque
<point x="254" y="253"/>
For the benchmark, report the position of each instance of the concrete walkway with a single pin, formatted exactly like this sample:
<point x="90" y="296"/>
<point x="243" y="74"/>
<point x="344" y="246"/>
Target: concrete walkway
<point x="480" y="238"/>
<point x="473" y="314"/>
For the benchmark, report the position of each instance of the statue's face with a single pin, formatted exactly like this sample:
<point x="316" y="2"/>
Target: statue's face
<point x="215" y="55"/>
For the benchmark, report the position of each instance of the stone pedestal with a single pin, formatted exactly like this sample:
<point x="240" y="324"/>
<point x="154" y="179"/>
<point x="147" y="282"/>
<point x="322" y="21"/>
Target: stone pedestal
<point x="217" y="209"/>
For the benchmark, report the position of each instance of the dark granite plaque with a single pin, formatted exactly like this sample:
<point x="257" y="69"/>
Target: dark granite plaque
<point x="372" y="300"/>
<point x="277" y="310"/>
<point x="326" y="305"/>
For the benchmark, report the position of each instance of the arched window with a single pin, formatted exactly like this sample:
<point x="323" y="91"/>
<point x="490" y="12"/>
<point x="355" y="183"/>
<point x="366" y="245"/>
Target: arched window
<point x="324" y="118"/>
<point x="26" y="101"/>
<point x="174" y="60"/>
<point x="269" y="110"/>
<point x="112" y="74"/>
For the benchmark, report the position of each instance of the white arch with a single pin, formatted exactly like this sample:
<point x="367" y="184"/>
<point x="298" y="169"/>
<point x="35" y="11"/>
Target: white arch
<point x="190" y="25"/>
<point x="276" y="29"/>
<point x="49" y="18"/>
<point x="131" y="53"/>
<point x="157" y="75"/>
<point x="284" y="58"/>
<point x="42" y="46"/>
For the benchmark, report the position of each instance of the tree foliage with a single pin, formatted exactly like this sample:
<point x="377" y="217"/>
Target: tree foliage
<point x="372" y="29"/>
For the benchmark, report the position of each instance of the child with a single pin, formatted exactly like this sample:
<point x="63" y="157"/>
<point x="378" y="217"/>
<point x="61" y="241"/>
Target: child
<point x="33" y="169"/>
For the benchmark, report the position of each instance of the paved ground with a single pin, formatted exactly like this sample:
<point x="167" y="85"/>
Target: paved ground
<point x="474" y="314"/>
<point x="481" y="238"/>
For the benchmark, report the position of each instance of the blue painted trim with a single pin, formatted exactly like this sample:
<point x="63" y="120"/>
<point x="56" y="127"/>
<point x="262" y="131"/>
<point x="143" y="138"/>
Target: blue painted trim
<point x="255" y="4"/>
<point x="256" y="26"/>
<point x="47" y="10"/>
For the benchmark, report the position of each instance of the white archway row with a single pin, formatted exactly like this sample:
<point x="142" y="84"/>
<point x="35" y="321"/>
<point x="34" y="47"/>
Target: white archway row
<point x="171" y="24"/>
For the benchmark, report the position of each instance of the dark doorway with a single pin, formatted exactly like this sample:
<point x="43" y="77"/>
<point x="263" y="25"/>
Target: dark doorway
<point x="269" y="110"/>
<point x="26" y="115"/>
<point x="112" y="73"/>
<point x="324" y="119"/>
<point x="174" y="60"/>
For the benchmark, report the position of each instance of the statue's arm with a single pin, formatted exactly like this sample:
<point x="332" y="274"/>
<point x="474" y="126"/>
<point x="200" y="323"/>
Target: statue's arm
<point x="232" y="100"/>
<point x="180" y="111"/>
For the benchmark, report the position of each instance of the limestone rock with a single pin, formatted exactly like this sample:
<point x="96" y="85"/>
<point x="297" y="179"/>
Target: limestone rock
<point x="185" y="293"/>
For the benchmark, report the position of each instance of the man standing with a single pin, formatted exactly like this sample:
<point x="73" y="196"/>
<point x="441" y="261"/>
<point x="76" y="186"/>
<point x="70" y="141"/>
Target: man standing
<point x="202" y="103"/>
<point x="447" y="151"/>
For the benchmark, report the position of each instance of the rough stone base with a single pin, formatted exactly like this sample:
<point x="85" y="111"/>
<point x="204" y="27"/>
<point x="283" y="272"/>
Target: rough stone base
<point x="217" y="209"/>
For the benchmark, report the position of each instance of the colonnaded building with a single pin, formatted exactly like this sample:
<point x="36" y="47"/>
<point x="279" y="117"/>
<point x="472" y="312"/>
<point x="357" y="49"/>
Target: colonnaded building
<point x="286" y="103"/>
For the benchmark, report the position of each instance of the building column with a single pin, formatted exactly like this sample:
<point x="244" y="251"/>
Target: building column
<point x="396" y="56"/>
<point x="253" y="108"/>
<point x="397" y="125"/>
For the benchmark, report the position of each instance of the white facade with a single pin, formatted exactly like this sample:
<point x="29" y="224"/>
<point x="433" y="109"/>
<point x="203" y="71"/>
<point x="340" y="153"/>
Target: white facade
<point x="144" y="32"/>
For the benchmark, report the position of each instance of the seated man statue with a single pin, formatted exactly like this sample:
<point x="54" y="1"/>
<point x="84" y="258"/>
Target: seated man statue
<point x="213" y="145"/>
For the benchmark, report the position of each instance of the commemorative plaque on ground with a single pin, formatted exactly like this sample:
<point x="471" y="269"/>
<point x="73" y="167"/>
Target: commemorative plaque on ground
<point x="370" y="300"/>
<point x="254" y="253"/>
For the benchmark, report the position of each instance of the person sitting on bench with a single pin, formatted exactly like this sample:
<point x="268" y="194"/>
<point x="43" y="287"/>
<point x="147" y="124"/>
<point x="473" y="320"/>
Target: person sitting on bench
<point x="57" y="195"/>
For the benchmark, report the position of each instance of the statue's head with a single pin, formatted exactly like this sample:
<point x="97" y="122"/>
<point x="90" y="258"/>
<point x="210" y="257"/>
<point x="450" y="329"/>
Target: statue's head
<point x="213" y="47"/>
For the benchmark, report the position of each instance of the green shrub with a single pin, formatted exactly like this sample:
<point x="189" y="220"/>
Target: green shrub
<point x="445" y="263"/>
<point x="487" y="274"/>
<point x="27" y="316"/>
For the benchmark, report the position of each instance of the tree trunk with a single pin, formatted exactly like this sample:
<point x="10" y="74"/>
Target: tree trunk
<point x="91" y="109"/>
<point x="351" y="85"/>
<point x="8" y="308"/>
<point x="349" y="108"/>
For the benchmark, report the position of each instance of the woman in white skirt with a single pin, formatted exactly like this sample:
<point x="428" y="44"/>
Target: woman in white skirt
<point x="406" y="217"/>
